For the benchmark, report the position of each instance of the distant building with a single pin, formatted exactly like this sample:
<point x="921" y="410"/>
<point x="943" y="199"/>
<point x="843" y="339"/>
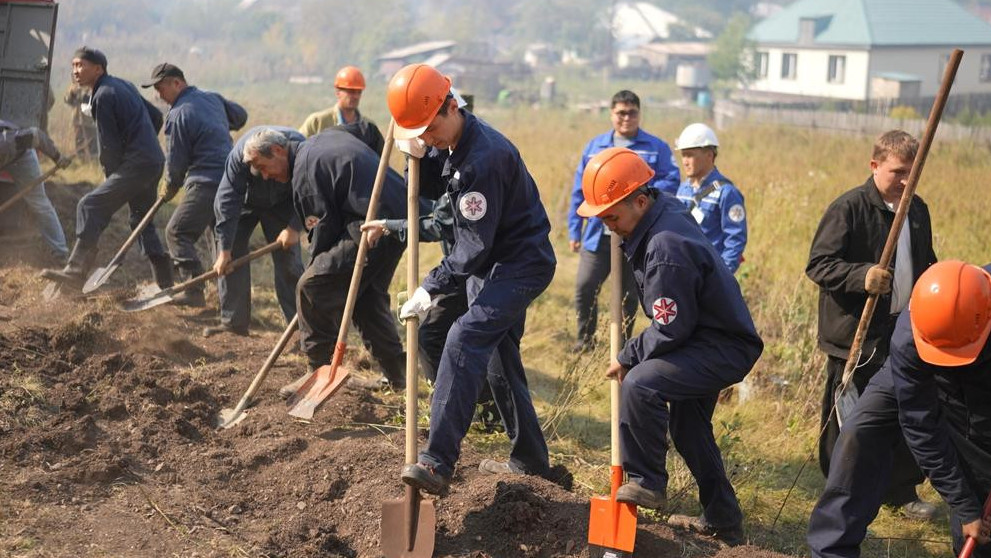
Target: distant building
<point x="392" y="61"/>
<point x="869" y="49"/>
<point x="663" y="59"/>
<point x="639" y="23"/>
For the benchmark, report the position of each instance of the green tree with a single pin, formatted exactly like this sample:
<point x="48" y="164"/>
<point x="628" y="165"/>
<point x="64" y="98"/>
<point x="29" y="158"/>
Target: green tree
<point x="731" y="50"/>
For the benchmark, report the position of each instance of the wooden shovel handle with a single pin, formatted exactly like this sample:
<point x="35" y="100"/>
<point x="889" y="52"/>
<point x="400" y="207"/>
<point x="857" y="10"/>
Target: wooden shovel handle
<point x="615" y="341"/>
<point x="906" y="200"/>
<point x="212" y="274"/>
<point x="136" y="232"/>
<point x="24" y="191"/>
<point x="412" y="323"/>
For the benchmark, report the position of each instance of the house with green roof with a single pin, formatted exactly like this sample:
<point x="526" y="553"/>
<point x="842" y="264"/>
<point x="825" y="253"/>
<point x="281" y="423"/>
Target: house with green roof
<point x="869" y="49"/>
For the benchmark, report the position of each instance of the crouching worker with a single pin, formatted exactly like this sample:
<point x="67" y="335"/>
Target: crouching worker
<point x="701" y="339"/>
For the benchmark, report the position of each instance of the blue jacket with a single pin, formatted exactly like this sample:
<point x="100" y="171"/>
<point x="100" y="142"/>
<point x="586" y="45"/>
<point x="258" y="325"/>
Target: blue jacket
<point x="721" y="214"/>
<point x="333" y="174"/>
<point x="651" y="149"/>
<point x="240" y="190"/>
<point x="500" y="226"/>
<point x="688" y="293"/>
<point x="945" y="415"/>
<point x="125" y="125"/>
<point x="197" y="133"/>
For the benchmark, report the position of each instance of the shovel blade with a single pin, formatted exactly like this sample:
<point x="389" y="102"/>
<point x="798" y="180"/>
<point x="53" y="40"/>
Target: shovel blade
<point x="318" y="387"/>
<point x="395" y="529"/>
<point x="149" y="296"/>
<point x="612" y="527"/>
<point x="99" y="277"/>
<point x="230" y="417"/>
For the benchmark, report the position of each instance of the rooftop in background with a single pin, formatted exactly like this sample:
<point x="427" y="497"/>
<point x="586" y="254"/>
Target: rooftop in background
<point x="873" y="23"/>
<point x="413" y="50"/>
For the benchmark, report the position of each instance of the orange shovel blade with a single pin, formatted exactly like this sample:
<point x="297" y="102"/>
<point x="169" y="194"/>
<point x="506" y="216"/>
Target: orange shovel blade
<point x="322" y="384"/>
<point x="612" y="527"/>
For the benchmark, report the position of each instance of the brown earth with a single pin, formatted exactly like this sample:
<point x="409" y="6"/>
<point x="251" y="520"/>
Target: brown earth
<point x="108" y="448"/>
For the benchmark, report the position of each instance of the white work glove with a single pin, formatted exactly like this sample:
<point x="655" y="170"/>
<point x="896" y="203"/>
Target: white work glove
<point x="412" y="147"/>
<point x="417" y="306"/>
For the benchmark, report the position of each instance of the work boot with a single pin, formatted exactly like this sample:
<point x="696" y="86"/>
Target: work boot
<point x="730" y="536"/>
<point x="292" y="387"/>
<point x="493" y="467"/>
<point x="425" y="478"/>
<point x="393" y="378"/>
<point x="77" y="268"/>
<point x="193" y="296"/>
<point x="633" y="493"/>
<point x="919" y="510"/>
<point x="224" y="327"/>
<point x="161" y="270"/>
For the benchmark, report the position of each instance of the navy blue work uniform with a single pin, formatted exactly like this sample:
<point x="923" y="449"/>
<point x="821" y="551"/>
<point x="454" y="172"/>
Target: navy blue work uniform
<point x="717" y="206"/>
<point x="197" y="134"/>
<point x="594" y="260"/>
<point x="701" y="339"/>
<point x="502" y="252"/>
<point x="333" y="174"/>
<point x="942" y="412"/>
<point x="245" y="200"/>
<point x="132" y="161"/>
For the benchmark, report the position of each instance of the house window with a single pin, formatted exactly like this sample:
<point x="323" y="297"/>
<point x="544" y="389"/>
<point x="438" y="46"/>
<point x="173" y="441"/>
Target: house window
<point x="986" y="67"/>
<point x="763" y="60"/>
<point x="789" y="60"/>
<point x="837" y="69"/>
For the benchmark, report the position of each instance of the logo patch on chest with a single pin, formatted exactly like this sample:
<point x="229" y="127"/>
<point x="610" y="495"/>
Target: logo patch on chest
<point x="473" y="206"/>
<point x="665" y="310"/>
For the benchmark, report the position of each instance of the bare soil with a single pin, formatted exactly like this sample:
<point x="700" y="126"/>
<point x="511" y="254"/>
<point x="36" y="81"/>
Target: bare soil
<point x="108" y="448"/>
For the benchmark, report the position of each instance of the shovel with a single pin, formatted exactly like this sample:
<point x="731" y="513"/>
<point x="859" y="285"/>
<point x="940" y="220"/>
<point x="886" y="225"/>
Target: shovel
<point x="409" y="523"/>
<point x="327" y="379"/>
<point x="24" y="191"/>
<point x="102" y="274"/>
<point x="151" y="296"/>
<point x="847" y="395"/>
<point x="229" y="417"/>
<point x="612" y="525"/>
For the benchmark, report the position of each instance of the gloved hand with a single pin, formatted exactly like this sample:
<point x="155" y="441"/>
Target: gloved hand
<point x="878" y="281"/>
<point x="417" y="306"/>
<point x="412" y="147"/>
<point x="170" y="192"/>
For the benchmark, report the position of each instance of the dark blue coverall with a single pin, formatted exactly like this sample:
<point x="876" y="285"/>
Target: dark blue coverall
<point x="197" y="133"/>
<point x="244" y="201"/>
<point x="332" y="177"/>
<point x="701" y="339"/>
<point x="944" y="415"/>
<point x="132" y="161"/>
<point x="503" y="254"/>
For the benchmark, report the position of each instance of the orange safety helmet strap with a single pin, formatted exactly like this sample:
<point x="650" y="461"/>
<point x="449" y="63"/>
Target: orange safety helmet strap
<point x="349" y="77"/>
<point x="609" y="176"/>
<point x="951" y="313"/>
<point x="415" y="95"/>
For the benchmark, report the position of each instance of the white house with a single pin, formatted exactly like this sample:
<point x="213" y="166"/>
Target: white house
<point x="638" y="23"/>
<point x="869" y="49"/>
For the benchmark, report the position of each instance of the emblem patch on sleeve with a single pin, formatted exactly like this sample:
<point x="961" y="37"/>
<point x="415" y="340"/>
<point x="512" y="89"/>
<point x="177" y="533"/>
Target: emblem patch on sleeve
<point x="473" y="206"/>
<point x="665" y="310"/>
<point x="736" y="213"/>
<point x="311" y="221"/>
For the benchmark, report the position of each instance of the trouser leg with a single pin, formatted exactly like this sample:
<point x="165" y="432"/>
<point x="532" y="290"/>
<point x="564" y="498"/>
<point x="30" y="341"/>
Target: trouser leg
<point x="193" y="215"/>
<point x="140" y="203"/>
<point x="859" y="472"/>
<point x="434" y="328"/>
<point x="235" y="287"/>
<point x="593" y="268"/>
<point x="287" y="265"/>
<point x="320" y="298"/>
<point x="26" y="170"/>
<point x="500" y="306"/>
<point x="373" y="310"/>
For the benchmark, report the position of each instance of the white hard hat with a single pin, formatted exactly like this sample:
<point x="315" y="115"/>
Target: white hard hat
<point x="696" y="135"/>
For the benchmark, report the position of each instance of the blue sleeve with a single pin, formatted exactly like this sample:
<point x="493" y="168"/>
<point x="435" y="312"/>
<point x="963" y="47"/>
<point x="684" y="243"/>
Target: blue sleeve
<point x="928" y="435"/>
<point x="230" y="199"/>
<point x="575" y="221"/>
<point x="179" y="145"/>
<point x="108" y="128"/>
<point x="667" y="177"/>
<point x="472" y="239"/>
<point x="672" y="284"/>
<point x="734" y="226"/>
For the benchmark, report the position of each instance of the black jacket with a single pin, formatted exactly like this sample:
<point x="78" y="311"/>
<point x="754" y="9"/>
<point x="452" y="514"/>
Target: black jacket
<point x="848" y="242"/>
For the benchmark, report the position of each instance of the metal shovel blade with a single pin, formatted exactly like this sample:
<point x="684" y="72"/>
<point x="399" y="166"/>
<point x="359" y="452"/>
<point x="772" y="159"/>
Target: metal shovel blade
<point x="323" y="383"/>
<point x="230" y="417"/>
<point x="99" y="277"/>
<point x="612" y="527"/>
<point x="404" y="536"/>
<point x="149" y="296"/>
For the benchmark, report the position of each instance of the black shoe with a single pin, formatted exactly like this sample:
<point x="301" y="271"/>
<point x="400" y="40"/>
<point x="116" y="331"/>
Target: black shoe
<point x="633" y="493"/>
<point x="919" y="510"/>
<point x="493" y="467"/>
<point x="223" y="328"/>
<point x="292" y="387"/>
<point x="193" y="298"/>
<point x="730" y="536"/>
<point x="375" y="384"/>
<point x="424" y="478"/>
<point x="77" y="268"/>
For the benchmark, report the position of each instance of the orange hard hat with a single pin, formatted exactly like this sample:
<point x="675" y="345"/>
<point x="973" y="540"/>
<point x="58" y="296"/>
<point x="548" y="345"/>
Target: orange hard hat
<point x="610" y="176"/>
<point x="349" y="77"/>
<point x="951" y="313"/>
<point x="415" y="95"/>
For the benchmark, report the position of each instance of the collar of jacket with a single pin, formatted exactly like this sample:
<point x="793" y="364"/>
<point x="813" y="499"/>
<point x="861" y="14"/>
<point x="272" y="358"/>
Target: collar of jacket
<point x="186" y="91"/>
<point x="464" y="142"/>
<point x="874" y="195"/>
<point x="99" y="82"/>
<point x="640" y="232"/>
<point x="291" y="153"/>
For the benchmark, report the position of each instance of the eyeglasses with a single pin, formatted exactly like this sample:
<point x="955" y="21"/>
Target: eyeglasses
<point x="632" y="113"/>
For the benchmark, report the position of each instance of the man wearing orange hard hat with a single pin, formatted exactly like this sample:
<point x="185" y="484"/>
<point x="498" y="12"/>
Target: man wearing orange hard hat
<point x="349" y="84"/>
<point x="502" y="256"/>
<point x="701" y="339"/>
<point x="935" y="390"/>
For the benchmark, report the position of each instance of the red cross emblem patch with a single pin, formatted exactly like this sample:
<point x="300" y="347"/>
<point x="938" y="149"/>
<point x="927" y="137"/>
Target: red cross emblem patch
<point x="665" y="310"/>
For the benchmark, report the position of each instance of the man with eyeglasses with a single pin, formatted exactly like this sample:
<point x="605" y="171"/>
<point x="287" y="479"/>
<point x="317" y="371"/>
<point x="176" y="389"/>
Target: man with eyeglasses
<point x="585" y="234"/>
